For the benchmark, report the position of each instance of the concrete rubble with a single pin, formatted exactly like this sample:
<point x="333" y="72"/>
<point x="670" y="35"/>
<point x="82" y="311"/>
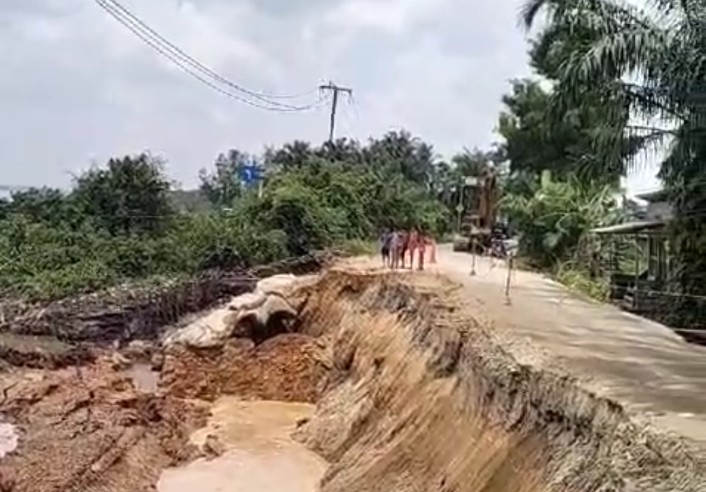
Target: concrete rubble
<point x="257" y="307"/>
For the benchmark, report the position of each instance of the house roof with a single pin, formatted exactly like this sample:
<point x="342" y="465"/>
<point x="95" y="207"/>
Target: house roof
<point x="630" y="227"/>
<point x="653" y="196"/>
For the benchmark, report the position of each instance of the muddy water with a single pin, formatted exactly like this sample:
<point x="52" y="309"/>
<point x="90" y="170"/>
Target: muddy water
<point x="260" y="454"/>
<point x="8" y="438"/>
<point x="143" y="377"/>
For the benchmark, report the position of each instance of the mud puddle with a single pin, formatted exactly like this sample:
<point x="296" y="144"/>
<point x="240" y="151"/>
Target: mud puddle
<point x="143" y="377"/>
<point x="8" y="438"/>
<point x="260" y="454"/>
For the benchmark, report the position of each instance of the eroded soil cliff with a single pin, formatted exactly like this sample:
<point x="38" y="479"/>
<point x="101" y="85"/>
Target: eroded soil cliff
<point x="413" y="393"/>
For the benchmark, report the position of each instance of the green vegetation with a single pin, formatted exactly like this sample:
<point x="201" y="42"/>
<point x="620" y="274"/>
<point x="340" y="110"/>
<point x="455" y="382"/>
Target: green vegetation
<point x="577" y="278"/>
<point x="555" y="217"/>
<point x="123" y="222"/>
<point x="560" y="182"/>
<point x="606" y="64"/>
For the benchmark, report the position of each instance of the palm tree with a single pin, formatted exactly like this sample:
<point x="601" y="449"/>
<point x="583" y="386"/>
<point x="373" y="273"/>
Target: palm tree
<point x="655" y="65"/>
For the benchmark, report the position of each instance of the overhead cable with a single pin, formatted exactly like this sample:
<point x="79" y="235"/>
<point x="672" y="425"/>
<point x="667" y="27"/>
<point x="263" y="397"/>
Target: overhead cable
<point x="194" y="68"/>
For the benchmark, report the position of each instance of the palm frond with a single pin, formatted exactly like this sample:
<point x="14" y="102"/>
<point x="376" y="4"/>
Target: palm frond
<point x="529" y="11"/>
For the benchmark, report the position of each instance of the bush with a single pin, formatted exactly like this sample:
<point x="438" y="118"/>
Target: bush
<point x="118" y="223"/>
<point x="552" y="221"/>
<point x="579" y="280"/>
<point x="359" y="247"/>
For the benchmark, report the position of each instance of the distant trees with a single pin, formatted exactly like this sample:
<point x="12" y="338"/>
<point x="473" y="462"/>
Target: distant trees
<point x="128" y="195"/>
<point x="122" y="221"/>
<point x="47" y="205"/>
<point x="223" y="185"/>
<point x="648" y="64"/>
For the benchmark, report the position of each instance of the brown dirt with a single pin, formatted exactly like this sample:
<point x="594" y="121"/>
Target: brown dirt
<point x="89" y="430"/>
<point x="41" y="352"/>
<point x="289" y="367"/>
<point x="423" y="397"/>
<point x="414" y="393"/>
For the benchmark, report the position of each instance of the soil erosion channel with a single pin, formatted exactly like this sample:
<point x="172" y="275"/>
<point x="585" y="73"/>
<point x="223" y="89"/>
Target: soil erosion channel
<point x="345" y="381"/>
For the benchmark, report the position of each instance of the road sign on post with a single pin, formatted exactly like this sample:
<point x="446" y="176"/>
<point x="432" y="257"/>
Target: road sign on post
<point x="251" y="174"/>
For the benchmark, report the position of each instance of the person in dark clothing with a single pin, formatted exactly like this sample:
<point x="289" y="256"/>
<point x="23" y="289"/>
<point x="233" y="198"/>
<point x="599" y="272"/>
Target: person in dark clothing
<point x="412" y="240"/>
<point x="395" y="249"/>
<point x="404" y="246"/>
<point x="385" y="240"/>
<point x="422" y="241"/>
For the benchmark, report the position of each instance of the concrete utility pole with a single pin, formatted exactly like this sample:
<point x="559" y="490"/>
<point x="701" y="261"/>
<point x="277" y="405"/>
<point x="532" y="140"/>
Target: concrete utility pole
<point x="334" y="103"/>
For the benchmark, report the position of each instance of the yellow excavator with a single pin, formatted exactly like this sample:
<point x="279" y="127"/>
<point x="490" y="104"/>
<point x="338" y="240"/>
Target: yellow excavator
<point x="477" y="211"/>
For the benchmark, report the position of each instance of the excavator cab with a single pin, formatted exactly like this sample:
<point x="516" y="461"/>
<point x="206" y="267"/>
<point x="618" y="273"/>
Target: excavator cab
<point x="477" y="212"/>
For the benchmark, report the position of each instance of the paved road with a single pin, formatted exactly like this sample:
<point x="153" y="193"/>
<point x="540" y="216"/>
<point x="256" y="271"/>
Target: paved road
<point x="640" y="363"/>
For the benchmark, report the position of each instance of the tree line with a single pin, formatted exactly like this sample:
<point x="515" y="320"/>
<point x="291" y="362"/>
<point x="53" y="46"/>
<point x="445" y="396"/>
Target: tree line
<point x="610" y="80"/>
<point x="126" y="221"/>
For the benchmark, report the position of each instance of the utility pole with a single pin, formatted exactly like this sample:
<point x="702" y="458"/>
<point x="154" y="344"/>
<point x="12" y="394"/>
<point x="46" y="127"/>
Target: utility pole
<point x="334" y="103"/>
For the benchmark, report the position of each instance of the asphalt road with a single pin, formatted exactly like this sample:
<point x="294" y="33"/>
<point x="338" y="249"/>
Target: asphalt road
<point x="640" y="363"/>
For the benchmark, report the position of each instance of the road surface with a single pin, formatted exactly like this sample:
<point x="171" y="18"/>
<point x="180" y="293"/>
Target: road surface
<point x="642" y="364"/>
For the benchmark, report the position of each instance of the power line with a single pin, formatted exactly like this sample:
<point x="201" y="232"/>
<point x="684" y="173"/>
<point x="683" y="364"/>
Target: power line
<point x="190" y="65"/>
<point x="199" y="77"/>
<point x="196" y="64"/>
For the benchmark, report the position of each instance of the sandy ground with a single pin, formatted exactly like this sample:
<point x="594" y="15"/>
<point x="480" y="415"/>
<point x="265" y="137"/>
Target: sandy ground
<point x="642" y="364"/>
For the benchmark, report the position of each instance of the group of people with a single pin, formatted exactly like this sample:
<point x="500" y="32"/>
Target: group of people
<point x="396" y="245"/>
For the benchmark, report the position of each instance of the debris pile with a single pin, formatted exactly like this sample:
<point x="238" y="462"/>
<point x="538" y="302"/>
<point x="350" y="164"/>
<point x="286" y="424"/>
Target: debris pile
<point x="256" y="315"/>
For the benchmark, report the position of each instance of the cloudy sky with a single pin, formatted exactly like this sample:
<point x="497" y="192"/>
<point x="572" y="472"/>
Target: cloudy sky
<point x="77" y="87"/>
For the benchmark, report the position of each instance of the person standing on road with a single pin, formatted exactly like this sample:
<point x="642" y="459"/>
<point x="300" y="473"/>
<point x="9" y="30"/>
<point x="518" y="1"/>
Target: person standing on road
<point x="412" y="241"/>
<point x="404" y="245"/>
<point x="395" y="249"/>
<point x="421" y="248"/>
<point x="385" y="239"/>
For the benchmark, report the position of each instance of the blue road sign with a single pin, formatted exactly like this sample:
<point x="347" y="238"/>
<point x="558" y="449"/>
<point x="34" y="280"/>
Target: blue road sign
<point x="251" y="174"/>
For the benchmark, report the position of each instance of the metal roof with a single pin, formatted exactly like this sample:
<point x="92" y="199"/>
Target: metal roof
<point x="654" y="196"/>
<point x="630" y="227"/>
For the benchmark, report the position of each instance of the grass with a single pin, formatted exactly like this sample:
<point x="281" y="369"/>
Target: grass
<point x="359" y="247"/>
<point x="579" y="281"/>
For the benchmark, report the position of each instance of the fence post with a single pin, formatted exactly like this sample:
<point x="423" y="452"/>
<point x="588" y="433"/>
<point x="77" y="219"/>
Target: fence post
<point x="510" y="263"/>
<point x="473" y="257"/>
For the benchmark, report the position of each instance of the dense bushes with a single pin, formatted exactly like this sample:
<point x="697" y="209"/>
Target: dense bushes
<point x="120" y="222"/>
<point x="556" y="216"/>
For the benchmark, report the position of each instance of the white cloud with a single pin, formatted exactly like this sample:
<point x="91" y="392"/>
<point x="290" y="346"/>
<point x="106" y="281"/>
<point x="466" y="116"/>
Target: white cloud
<point x="393" y="16"/>
<point x="82" y="87"/>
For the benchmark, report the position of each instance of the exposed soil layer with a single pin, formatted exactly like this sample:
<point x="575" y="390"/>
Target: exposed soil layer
<point x="121" y="314"/>
<point x="41" y="352"/>
<point x="130" y="311"/>
<point x="290" y="367"/>
<point x="412" y="392"/>
<point x="89" y="430"/>
<point x="422" y="397"/>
